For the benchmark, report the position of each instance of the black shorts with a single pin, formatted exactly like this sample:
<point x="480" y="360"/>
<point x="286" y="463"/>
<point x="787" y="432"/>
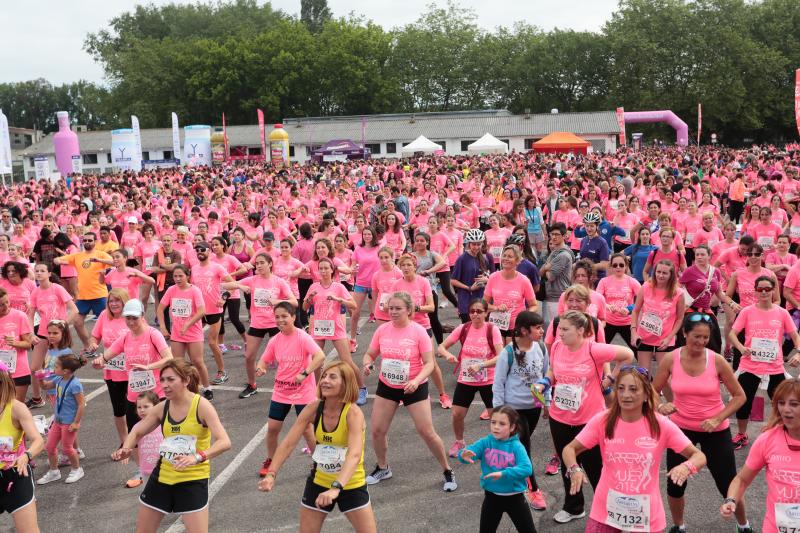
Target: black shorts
<point x="261" y="332"/>
<point x="131" y="416"/>
<point x="16" y="491"/>
<point x="348" y="286"/>
<point x="348" y="500"/>
<point x="180" y="498"/>
<point x="22" y="381"/>
<point x="464" y="394"/>
<point x="118" y="392"/>
<point x="278" y="410"/>
<point x="397" y="395"/>
<point x="212" y="319"/>
<point x="642" y="347"/>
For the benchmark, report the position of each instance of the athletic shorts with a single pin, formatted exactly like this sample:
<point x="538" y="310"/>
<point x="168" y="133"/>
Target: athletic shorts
<point x="180" y="498"/>
<point x="16" y="491"/>
<point x="22" y="381"/>
<point x="642" y="347"/>
<point x="118" y="392"/>
<point x="262" y="332"/>
<point x="96" y="306"/>
<point x="278" y="410"/>
<point x="398" y="395"/>
<point x="363" y="290"/>
<point x="464" y="394"/>
<point x="348" y="500"/>
<point x="212" y="319"/>
<point x="348" y="286"/>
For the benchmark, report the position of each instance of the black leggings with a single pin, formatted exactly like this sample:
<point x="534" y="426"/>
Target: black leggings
<point x="447" y="289"/>
<point x="591" y="461"/>
<point x="735" y="210"/>
<point x="624" y="331"/>
<point x="719" y="453"/>
<point x="232" y="305"/>
<point x="515" y="506"/>
<point x="528" y="418"/>
<point x="118" y="392"/>
<point x="750" y="383"/>
<point x="436" y="326"/>
<point x="167" y="318"/>
<point x="302" y="315"/>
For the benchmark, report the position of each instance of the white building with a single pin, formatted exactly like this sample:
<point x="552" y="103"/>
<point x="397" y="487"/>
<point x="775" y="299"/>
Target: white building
<point x="384" y="135"/>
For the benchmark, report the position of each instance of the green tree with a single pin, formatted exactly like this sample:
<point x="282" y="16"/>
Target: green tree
<point x="314" y="14"/>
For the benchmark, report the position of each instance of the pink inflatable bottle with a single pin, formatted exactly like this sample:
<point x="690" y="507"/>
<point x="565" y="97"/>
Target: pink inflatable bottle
<point x="65" y="143"/>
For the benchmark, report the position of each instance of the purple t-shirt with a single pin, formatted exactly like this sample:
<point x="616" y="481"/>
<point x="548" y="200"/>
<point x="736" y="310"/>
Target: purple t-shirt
<point x="695" y="282"/>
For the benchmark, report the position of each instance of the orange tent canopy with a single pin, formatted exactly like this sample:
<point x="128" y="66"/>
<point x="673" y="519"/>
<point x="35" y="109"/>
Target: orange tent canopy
<point x="561" y="141"/>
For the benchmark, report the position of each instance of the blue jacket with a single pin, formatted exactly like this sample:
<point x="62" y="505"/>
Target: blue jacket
<point x="507" y="456"/>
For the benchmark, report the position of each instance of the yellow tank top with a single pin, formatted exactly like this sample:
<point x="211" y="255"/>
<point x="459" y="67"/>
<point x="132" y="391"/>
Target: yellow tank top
<point x="331" y="451"/>
<point x="186" y="437"/>
<point x="10" y="439"/>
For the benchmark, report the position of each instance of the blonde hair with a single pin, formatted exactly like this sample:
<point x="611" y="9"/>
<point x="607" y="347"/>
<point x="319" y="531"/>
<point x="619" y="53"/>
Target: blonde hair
<point x="579" y="291"/>
<point x="405" y="298"/>
<point x="7" y="389"/>
<point x="349" y="392"/>
<point x="121" y="295"/>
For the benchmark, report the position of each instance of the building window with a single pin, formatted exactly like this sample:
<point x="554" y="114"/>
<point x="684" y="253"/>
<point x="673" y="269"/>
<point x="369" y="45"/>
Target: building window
<point x="465" y="145"/>
<point x="391" y="148"/>
<point x="89" y="159"/>
<point x="443" y="144"/>
<point x="254" y="150"/>
<point x="168" y="154"/>
<point x="145" y="156"/>
<point x="108" y="157"/>
<point x="291" y="150"/>
<point x="374" y="148"/>
<point x="529" y="143"/>
<point x="506" y="141"/>
<point x="32" y="162"/>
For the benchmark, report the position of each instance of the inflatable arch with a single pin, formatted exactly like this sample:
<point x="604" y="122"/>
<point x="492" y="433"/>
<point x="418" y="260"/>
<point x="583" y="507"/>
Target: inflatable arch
<point x="680" y="127"/>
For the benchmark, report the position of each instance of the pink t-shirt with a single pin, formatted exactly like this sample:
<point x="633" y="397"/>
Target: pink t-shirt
<point x="143" y="349"/>
<point x="382" y="288"/>
<point x="495" y="241"/>
<point x="231" y="265"/>
<point x="207" y="279"/>
<point x="368" y="263"/>
<point x="127" y="280"/>
<point x="771" y="450"/>
<point x="263" y="293"/>
<point x="763" y="334"/>
<point x="657" y="315"/>
<point x="619" y="293"/>
<point x="50" y="303"/>
<point x="147" y="251"/>
<point x="631" y="461"/>
<point x="19" y="296"/>
<point x="401" y="351"/>
<point x="514" y="293"/>
<point x="148" y="447"/>
<point x="420" y="290"/>
<point x="765" y="234"/>
<point x="327" y="322"/>
<point x="283" y="268"/>
<point x="440" y="243"/>
<point x="475" y="350"/>
<point x="792" y="281"/>
<point x="182" y="304"/>
<point x="293" y="353"/>
<point x="108" y="330"/>
<point x="577" y="394"/>
<point x="626" y="222"/>
<point x="746" y="284"/>
<point x="596" y="308"/>
<point x="696" y="398"/>
<point x="15" y="324"/>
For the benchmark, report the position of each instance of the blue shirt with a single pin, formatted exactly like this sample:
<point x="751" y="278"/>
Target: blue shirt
<point x="639" y="255"/>
<point x="66" y="403"/>
<point x="605" y="229"/>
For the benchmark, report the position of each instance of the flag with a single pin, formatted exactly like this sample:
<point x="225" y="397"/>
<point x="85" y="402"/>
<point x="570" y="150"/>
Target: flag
<point x="136" y="162"/>
<point x="176" y="139"/>
<point x="699" y="122"/>
<point x="263" y="133"/>
<point x="621" y="122"/>
<point x="5" y="146"/>
<point x="797" y="99"/>
<point x="225" y="136"/>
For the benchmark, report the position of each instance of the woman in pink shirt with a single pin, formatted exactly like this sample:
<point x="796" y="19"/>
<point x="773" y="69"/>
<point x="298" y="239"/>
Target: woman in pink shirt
<point x="777" y="452"/>
<point x="18" y="285"/>
<point x="694" y="373"/>
<point x="441" y="244"/>
<point x="626" y="221"/>
<point x="144" y="252"/>
<point x="779" y="260"/>
<point x="186" y="309"/>
<point x="496" y="238"/>
<point x="324" y="248"/>
<point x="345" y="255"/>
<point x="16" y="338"/>
<point x="620" y="290"/>
<point x="125" y="277"/>
<point x="582" y="272"/>
<point x="297" y="357"/>
<point x="742" y="282"/>
<point x="382" y="282"/>
<point x="407" y="361"/>
<point x="286" y="267"/>
<point x="764" y="325"/>
<point x="509" y="292"/>
<point x="366" y="263"/>
<point x="395" y="237"/>
<point x="631" y="437"/>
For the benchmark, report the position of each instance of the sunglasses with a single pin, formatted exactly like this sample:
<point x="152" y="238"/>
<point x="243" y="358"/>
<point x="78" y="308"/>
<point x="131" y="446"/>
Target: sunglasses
<point x="754" y="254"/>
<point x="764" y="289"/>
<point x="618" y="265"/>
<point x="634" y="368"/>
<point x="697" y="317"/>
<point x="476" y="311"/>
<point x="200" y="249"/>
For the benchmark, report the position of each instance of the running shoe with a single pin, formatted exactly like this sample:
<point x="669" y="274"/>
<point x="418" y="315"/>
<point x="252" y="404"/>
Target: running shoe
<point x="208" y="394"/>
<point x="74" y="475"/>
<point x="740" y="441"/>
<point x="449" y="481"/>
<point x="485" y="415"/>
<point x="553" y="466"/>
<point x="378" y="475"/>
<point x="536" y="500"/>
<point x="362" y="396"/>
<point x="134" y="482"/>
<point x="353" y="346"/>
<point x="306" y="450"/>
<point x="456" y="447"/>
<point x="745" y="529"/>
<point x="51" y="475"/>
<point x="445" y="401"/>
<point x="562" y="517"/>
<point x="63" y="460"/>
<point x="677" y="529"/>
<point x="235" y="347"/>
<point x="223" y="348"/>
<point x="265" y="467"/>
<point x="220" y="378"/>
<point x="371" y="318"/>
<point x="35" y="403"/>
<point x="248" y="391"/>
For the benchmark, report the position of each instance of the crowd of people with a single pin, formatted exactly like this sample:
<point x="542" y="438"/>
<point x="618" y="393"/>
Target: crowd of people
<point x="608" y="294"/>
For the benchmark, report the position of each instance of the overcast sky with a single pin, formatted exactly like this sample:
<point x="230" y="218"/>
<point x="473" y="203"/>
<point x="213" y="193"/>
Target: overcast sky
<point x="45" y="38"/>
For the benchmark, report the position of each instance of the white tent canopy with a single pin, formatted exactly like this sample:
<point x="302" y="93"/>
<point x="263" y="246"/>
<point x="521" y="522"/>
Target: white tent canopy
<point x="488" y="144"/>
<point x="421" y="144"/>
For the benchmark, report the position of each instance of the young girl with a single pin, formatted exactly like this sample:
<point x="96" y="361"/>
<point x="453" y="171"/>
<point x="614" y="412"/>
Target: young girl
<point x="148" y="446"/>
<point x="67" y="420"/>
<point x="504" y="467"/>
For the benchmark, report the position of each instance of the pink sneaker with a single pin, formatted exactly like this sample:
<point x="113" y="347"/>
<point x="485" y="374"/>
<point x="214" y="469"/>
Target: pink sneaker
<point x="485" y="415"/>
<point x="553" y="466"/>
<point x="445" y="401"/>
<point x="456" y="447"/>
<point x="536" y="500"/>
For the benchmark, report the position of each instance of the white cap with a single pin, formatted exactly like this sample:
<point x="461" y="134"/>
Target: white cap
<point x="133" y="220"/>
<point x="133" y="307"/>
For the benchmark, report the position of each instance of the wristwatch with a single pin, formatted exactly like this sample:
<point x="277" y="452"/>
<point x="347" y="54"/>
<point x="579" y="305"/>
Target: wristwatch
<point x="304" y="372"/>
<point x="337" y="485"/>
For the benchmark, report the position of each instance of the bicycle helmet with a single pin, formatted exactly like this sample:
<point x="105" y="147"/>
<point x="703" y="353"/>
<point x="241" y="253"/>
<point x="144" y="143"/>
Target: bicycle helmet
<point x="517" y="240"/>
<point x="591" y="218"/>
<point x="474" y="235"/>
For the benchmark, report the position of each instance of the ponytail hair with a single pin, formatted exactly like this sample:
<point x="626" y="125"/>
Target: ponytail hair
<point x="580" y="320"/>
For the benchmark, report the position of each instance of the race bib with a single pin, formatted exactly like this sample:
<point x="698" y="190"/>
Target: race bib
<point x="323" y="328"/>
<point x="568" y="397"/>
<point x="787" y="517"/>
<point x="383" y="303"/>
<point x="329" y="459"/>
<point x="172" y="448"/>
<point x="628" y="512"/>
<point x="652" y="323"/>
<point x="689" y="238"/>
<point x="141" y="380"/>
<point x="148" y="263"/>
<point x="766" y="242"/>
<point x="9" y="358"/>
<point x="496" y="251"/>
<point x="130" y="251"/>
<point x="478" y="377"/>
<point x="181" y="307"/>
<point x="764" y="350"/>
<point x="501" y="319"/>
<point x="7" y="453"/>
<point x="116" y="363"/>
<point x="262" y="297"/>
<point x="794" y="231"/>
<point x="395" y="371"/>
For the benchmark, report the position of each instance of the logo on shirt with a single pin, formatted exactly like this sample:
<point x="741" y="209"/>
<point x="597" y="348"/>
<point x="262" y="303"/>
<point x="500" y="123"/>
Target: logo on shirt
<point x="646" y="442"/>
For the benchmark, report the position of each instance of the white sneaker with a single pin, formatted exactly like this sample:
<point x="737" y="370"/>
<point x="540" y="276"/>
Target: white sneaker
<point x="81" y="455"/>
<point x="74" y="475"/>
<point x="562" y="517"/>
<point x="51" y="475"/>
